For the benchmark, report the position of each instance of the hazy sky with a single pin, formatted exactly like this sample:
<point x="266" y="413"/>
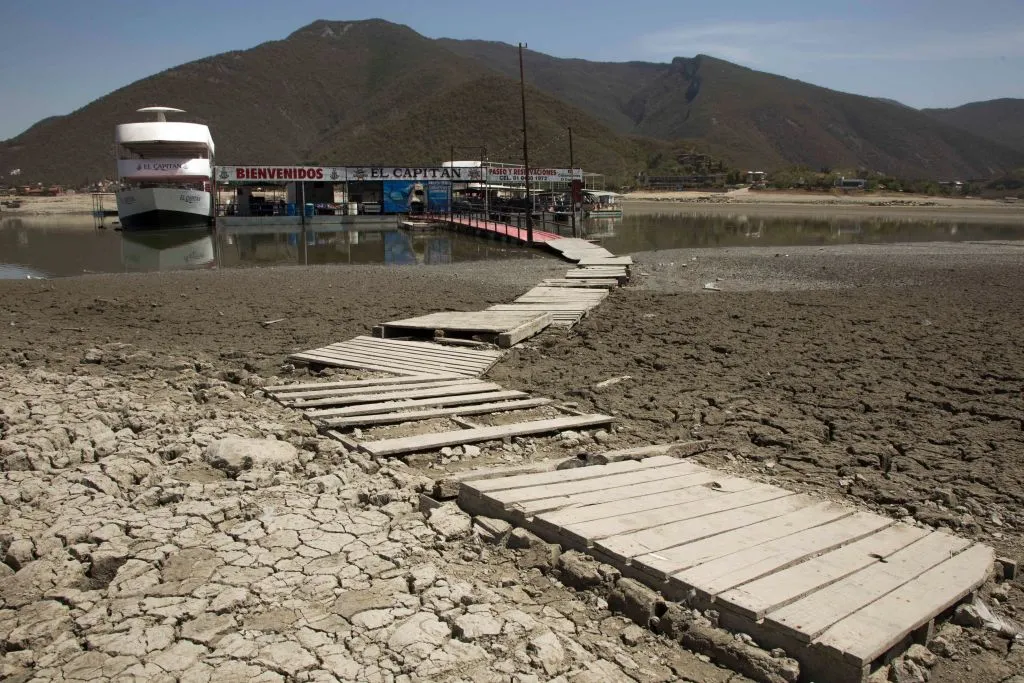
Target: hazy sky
<point x="58" y="55"/>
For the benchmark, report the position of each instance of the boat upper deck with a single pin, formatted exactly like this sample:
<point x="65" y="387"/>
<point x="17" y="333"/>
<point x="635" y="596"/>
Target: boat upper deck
<point x="163" y="139"/>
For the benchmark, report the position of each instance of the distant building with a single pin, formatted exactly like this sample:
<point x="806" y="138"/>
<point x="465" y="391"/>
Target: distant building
<point x="851" y="183"/>
<point x="756" y="177"/>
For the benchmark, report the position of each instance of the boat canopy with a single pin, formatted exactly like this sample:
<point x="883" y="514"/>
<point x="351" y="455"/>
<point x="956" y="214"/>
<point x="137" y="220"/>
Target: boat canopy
<point x="601" y="193"/>
<point x="174" y="139"/>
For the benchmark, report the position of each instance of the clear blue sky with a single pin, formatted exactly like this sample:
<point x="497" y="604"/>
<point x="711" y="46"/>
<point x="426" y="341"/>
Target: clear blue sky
<point x="58" y="55"/>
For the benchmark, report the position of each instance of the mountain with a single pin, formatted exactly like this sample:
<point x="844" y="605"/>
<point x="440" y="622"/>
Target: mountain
<point x="754" y="119"/>
<point x="1001" y="121"/>
<point x="371" y="91"/>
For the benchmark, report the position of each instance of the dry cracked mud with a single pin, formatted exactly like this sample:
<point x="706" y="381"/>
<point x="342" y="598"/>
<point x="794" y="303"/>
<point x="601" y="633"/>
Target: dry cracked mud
<point x="135" y="547"/>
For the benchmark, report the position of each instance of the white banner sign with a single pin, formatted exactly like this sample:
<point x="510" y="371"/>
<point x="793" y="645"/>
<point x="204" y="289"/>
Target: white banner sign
<point x="357" y="173"/>
<point x="163" y="168"/>
<point x="497" y="174"/>
<point x="340" y="174"/>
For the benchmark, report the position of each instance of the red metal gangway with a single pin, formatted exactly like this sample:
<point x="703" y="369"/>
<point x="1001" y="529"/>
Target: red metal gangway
<point x="479" y="223"/>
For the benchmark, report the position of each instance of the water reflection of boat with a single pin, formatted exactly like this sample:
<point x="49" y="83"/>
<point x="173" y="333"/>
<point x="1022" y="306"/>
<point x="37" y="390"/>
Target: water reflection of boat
<point x="167" y="249"/>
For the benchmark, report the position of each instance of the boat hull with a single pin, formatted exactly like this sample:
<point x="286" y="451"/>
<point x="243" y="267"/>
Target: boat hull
<point x="163" y="208"/>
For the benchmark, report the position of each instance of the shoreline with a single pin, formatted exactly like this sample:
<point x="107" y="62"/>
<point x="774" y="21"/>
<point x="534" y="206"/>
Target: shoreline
<point x="815" y="206"/>
<point x="757" y="203"/>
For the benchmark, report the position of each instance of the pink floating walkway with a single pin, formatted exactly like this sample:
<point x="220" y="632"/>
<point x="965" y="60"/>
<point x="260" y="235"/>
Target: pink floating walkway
<point x="503" y="229"/>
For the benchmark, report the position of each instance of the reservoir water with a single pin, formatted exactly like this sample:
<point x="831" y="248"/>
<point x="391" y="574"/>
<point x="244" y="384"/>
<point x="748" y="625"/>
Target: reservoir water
<point x="66" y="246"/>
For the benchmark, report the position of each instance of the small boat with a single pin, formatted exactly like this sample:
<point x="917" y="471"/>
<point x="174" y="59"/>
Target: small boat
<point x="601" y="204"/>
<point x="165" y="171"/>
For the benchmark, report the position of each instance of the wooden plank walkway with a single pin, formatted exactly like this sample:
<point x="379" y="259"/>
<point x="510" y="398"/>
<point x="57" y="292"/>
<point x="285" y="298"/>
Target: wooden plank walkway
<point x="503" y="328"/>
<point x="352" y="404"/>
<point x="839" y="589"/>
<point x="400" y="357"/>
<point x="432" y="385"/>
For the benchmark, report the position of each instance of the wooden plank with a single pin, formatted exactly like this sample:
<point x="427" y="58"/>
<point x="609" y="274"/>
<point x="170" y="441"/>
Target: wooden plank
<point x="755" y="599"/>
<point x="685" y="554"/>
<point x="718" y="576"/>
<point x="427" y="350"/>
<point x="424" y="442"/>
<point x="524" y="331"/>
<point x="570" y="475"/>
<point x="598" y="294"/>
<point x="305" y="395"/>
<point x="605" y="261"/>
<point x="715" y="521"/>
<point x="358" y="359"/>
<point x="310" y="357"/>
<point x="415" y="415"/>
<point x="719" y="486"/>
<point x="565" y="308"/>
<point x="569" y="489"/>
<point x="409" y="357"/>
<point x="433" y="346"/>
<point x="596" y="283"/>
<point x="808" y="617"/>
<point x="344" y="384"/>
<point x="467" y="387"/>
<point x="868" y="633"/>
<point x="388" y="406"/>
<point x="468" y="321"/>
<point x="634" y="492"/>
<point x="409" y="365"/>
<point x="696" y="504"/>
<point x="574" y="274"/>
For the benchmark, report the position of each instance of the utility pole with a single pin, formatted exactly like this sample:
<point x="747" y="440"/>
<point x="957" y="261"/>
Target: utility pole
<point x="572" y="185"/>
<point x="526" y="157"/>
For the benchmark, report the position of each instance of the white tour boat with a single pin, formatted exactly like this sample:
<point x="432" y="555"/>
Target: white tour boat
<point x="165" y="170"/>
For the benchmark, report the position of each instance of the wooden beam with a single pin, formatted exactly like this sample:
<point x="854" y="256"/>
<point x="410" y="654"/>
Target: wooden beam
<point x="426" y="442"/>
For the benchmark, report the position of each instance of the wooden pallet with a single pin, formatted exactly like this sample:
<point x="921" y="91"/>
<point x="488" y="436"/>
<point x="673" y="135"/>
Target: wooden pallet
<point x="434" y="441"/>
<point x="577" y="283"/>
<point x="574" y="249"/>
<point x="503" y="328"/>
<point x="401" y="357"/>
<point x="605" y="261"/>
<point x="618" y="273"/>
<point x="839" y="589"/>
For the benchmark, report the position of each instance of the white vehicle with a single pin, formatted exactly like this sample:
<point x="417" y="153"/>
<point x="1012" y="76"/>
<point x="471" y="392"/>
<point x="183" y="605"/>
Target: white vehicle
<point x="165" y="170"/>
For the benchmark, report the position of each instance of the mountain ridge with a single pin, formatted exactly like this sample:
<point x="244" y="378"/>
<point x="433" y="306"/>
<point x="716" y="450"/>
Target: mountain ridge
<point x="332" y="90"/>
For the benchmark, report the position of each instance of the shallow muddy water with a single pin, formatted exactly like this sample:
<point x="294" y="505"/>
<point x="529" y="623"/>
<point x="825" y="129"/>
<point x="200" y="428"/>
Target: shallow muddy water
<point x="59" y="247"/>
<point x="47" y="248"/>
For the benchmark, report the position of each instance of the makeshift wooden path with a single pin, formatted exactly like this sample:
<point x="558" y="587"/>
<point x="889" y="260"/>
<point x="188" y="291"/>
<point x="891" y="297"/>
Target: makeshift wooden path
<point x="839" y="589"/>
<point x="354" y="404"/>
<point x="402" y="357"/>
<point x="501" y="328"/>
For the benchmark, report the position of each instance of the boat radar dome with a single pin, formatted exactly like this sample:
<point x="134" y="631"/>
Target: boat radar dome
<point x="161" y="111"/>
